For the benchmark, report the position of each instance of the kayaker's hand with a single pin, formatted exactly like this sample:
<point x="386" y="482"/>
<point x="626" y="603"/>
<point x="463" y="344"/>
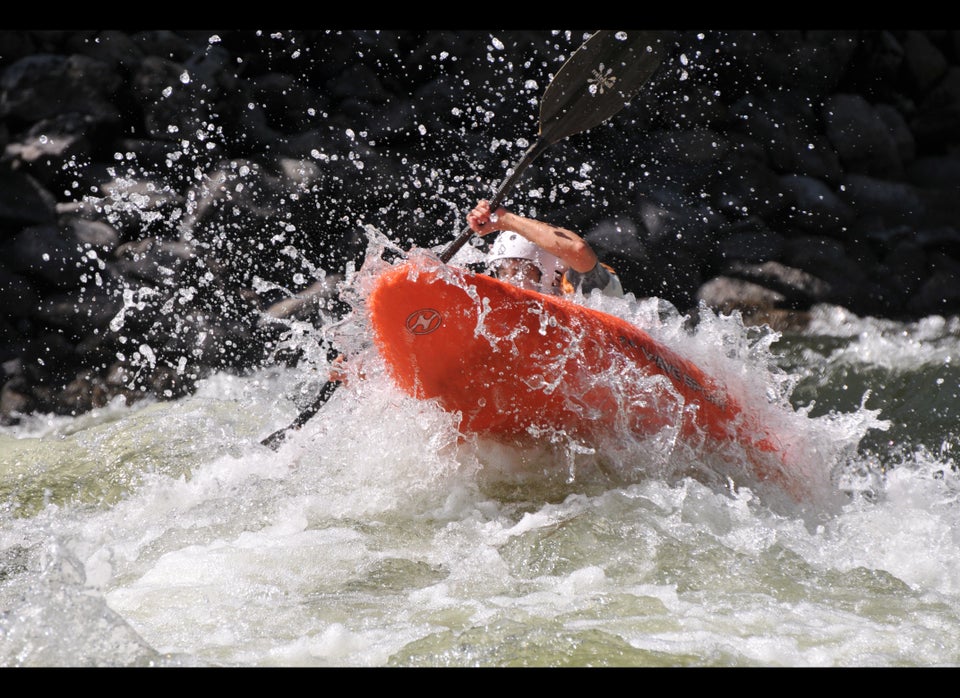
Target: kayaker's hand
<point x="481" y="221"/>
<point x="338" y="370"/>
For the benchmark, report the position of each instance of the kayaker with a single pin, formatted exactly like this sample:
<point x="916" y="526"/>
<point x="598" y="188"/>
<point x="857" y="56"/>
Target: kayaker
<point x="539" y="256"/>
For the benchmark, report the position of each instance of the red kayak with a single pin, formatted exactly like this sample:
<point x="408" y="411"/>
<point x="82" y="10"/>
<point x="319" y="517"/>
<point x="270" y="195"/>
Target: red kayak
<point x="517" y="364"/>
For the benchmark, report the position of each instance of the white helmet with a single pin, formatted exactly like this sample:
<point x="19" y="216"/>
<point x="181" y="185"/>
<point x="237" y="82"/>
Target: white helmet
<point x="510" y="245"/>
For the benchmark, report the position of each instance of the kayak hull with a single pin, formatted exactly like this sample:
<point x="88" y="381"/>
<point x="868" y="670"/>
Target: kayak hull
<point x="517" y="364"/>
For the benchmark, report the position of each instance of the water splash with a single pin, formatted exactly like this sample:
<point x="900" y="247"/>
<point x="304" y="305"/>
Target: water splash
<point x="815" y="450"/>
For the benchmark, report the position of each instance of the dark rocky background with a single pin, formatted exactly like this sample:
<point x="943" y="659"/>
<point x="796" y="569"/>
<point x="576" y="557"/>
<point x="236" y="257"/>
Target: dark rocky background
<point x="164" y="194"/>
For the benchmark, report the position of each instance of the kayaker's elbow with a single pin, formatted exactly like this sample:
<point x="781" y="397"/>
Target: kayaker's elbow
<point x="582" y="258"/>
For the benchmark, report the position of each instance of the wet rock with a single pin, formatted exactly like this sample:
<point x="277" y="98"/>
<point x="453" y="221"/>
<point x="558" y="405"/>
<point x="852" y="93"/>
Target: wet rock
<point x="46" y="85"/>
<point x="750" y="241"/>
<point x="45" y="149"/>
<point x="16" y="400"/>
<point x="23" y="201"/>
<point x="941" y="171"/>
<point x="940" y="291"/>
<point x="92" y="234"/>
<point x="906" y="263"/>
<point x="893" y="201"/>
<point x="787" y="126"/>
<point x="924" y="64"/>
<point x="793" y="288"/>
<point x="756" y="304"/>
<point x="47" y="254"/>
<point x="18" y="296"/>
<point x="814" y="206"/>
<point x="861" y="137"/>
<point x="751" y="189"/>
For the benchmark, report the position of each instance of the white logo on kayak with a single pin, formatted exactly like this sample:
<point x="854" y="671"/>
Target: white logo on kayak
<point x="602" y="80"/>
<point x="676" y="373"/>
<point x="423" y="321"/>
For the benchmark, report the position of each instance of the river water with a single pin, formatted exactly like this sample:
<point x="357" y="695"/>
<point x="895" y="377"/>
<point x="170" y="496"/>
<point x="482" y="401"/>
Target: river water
<point x="164" y="534"/>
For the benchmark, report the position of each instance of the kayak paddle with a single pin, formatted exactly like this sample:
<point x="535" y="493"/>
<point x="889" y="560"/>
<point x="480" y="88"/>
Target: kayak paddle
<point x="596" y="82"/>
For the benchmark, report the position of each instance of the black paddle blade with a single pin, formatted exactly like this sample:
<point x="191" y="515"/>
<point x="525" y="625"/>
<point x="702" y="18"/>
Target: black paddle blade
<point x="276" y="438"/>
<point x="598" y="80"/>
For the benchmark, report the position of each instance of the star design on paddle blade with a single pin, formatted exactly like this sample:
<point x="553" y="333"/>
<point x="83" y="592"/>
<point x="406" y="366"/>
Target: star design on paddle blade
<point x="602" y="79"/>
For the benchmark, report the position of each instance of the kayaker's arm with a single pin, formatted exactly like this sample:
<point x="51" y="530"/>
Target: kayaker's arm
<point x="565" y="244"/>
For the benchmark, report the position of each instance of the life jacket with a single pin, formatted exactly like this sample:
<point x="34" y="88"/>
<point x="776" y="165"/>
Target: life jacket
<point x="602" y="276"/>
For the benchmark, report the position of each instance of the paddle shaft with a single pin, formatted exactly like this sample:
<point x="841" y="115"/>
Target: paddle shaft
<point x="532" y="153"/>
<point x="595" y="83"/>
